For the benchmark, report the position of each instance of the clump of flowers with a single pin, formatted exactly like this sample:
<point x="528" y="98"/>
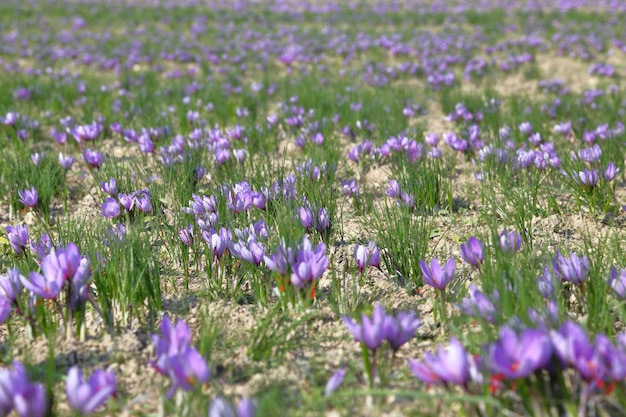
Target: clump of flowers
<point x="19" y="394"/>
<point x="381" y="336"/>
<point x="85" y="397"/>
<point x="177" y="359"/>
<point x="300" y="267"/>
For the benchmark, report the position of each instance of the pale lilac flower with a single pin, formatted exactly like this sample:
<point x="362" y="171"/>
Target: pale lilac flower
<point x="479" y="305"/>
<point x="449" y="366"/>
<point x="519" y="355"/>
<point x="436" y="276"/>
<point x="87" y="396"/>
<point x="617" y="282"/>
<point x="473" y="252"/>
<point x="66" y="161"/>
<point x="18" y="238"/>
<point x="110" y="208"/>
<point x="28" y="197"/>
<point x="366" y="256"/>
<point x="310" y="263"/>
<point x="573" y="268"/>
<point x="109" y="187"/>
<point x="371" y="331"/>
<point x="510" y="241"/>
<point x="93" y="158"/>
<point x="335" y="381"/>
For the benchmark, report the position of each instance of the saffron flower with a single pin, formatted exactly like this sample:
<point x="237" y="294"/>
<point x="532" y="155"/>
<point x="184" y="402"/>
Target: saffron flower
<point x="10" y="285"/>
<point x="109" y="187"/>
<point x="176" y="357"/>
<point x="221" y="408"/>
<point x="310" y="263"/>
<point x="335" y="381"/>
<point x="28" y="197"/>
<point x="449" y="366"/>
<point x="479" y="305"/>
<point x="19" y="394"/>
<point x="400" y="329"/>
<point x="87" y="396"/>
<point x="186" y="235"/>
<point x="519" y="355"/>
<point x="142" y="201"/>
<point x="66" y="162"/>
<point x="617" y="282"/>
<point x="473" y="252"/>
<point x="281" y="259"/>
<point x="18" y="238"/>
<point x="510" y="241"/>
<point x="572" y="268"/>
<point x="366" y="256"/>
<point x="371" y="331"/>
<point x="94" y="158"/>
<point x="110" y="208"/>
<point x="250" y="250"/>
<point x="436" y="276"/>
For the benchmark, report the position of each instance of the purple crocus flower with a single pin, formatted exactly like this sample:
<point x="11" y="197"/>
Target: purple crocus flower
<point x="18" y="238"/>
<point x="28" y="197"/>
<point x="371" y="332"/>
<point x="281" y="259"/>
<point x="17" y="392"/>
<point x="435" y="276"/>
<point x="310" y="264"/>
<point x="610" y="171"/>
<point x="479" y="305"/>
<point x="186" y="235"/>
<point x="177" y="358"/>
<point x="545" y="283"/>
<point x="393" y="189"/>
<point x="572" y="346"/>
<point x="56" y="267"/>
<point x="66" y="161"/>
<point x="240" y="154"/>
<point x="93" y="158"/>
<point x="473" y="252"/>
<point x="250" y="251"/>
<point x="448" y="366"/>
<point x="187" y="369"/>
<point x="37" y="157"/>
<point x="350" y="188"/>
<point x="142" y="201"/>
<point x="617" y="282"/>
<point x="218" y="242"/>
<point x="174" y="340"/>
<point x="510" y="241"/>
<point x="221" y="408"/>
<point x="87" y="396"/>
<point x="306" y="217"/>
<point x="323" y="220"/>
<point x="526" y="128"/>
<point x="572" y="269"/>
<point x="5" y="311"/>
<point x="588" y="178"/>
<point x="42" y="247"/>
<point x="127" y="201"/>
<point x="145" y="143"/>
<point x="335" y="381"/>
<point x="366" y="256"/>
<point x="400" y="329"/>
<point x="11" y="285"/>
<point x="110" y="208"/>
<point x="109" y="187"/>
<point x="519" y="355"/>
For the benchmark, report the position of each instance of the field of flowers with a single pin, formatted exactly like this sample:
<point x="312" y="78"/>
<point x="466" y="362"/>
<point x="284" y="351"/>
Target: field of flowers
<point x="303" y="208"/>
